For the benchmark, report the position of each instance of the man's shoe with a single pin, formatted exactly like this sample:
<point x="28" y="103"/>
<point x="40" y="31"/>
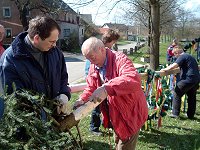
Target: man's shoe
<point x="173" y="116"/>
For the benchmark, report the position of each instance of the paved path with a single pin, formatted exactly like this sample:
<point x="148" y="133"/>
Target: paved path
<point x="127" y="46"/>
<point x="75" y="64"/>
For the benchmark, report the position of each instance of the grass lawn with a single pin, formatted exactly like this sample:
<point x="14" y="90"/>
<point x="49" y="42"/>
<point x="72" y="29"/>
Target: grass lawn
<point x="143" y="51"/>
<point x="175" y="134"/>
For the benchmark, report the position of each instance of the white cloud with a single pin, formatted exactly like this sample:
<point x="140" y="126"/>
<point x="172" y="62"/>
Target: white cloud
<point x="192" y="4"/>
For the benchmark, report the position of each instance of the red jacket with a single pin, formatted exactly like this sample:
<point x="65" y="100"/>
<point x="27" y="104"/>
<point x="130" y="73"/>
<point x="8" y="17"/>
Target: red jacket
<point x="127" y="104"/>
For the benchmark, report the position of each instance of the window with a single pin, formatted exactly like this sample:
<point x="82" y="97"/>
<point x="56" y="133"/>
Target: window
<point x="8" y="32"/>
<point x="66" y="32"/>
<point x="82" y="33"/>
<point x="6" y="12"/>
<point x="66" y="17"/>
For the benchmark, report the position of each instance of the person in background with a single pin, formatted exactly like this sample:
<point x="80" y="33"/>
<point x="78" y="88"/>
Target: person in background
<point x="33" y="62"/>
<point x="113" y="79"/>
<point x="188" y="83"/>
<point x="109" y="39"/>
<point x="95" y="121"/>
<point x="2" y="34"/>
<point x="170" y="58"/>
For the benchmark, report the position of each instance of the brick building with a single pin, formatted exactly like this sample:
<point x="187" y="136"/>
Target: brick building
<point x="69" y="21"/>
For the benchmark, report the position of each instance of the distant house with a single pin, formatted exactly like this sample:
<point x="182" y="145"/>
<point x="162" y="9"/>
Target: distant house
<point x="86" y="17"/>
<point x="70" y="22"/>
<point x="122" y="29"/>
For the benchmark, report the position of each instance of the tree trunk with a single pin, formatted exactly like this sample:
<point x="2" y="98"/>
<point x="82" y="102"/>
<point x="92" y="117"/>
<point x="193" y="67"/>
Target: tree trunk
<point x="22" y="13"/>
<point x="155" y="32"/>
<point x="23" y="18"/>
<point x="149" y="24"/>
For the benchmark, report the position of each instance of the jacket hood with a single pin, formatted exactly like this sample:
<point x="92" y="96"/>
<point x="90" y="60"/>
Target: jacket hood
<point x="19" y="45"/>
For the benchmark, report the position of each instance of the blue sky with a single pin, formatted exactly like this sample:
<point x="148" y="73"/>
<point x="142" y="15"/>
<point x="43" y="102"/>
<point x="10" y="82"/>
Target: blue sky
<point x="100" y="10"/>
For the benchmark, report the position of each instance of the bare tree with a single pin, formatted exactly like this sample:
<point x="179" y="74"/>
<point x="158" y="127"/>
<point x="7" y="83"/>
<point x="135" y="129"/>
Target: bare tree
<point x="184" y="18"/>
<point x="159" y="17"/>
<point x="26" y="6"/>
<point x="155" y="33"/>
<point x="148" y="13"/>
<point x="50" y="7"/>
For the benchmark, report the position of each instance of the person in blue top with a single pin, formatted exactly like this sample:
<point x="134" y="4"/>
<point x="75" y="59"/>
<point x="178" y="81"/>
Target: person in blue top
<point x="188" y="83"/>
<point x="33" y="62"/>
<point x="109" y="39"/>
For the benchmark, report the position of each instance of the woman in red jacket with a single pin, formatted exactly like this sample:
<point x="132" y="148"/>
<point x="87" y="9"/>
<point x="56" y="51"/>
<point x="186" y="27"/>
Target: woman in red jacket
<point x="113" y="79"/>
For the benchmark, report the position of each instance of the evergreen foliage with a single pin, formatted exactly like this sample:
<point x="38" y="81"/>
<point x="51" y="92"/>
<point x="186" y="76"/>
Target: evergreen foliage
<point x="27" y="124"/>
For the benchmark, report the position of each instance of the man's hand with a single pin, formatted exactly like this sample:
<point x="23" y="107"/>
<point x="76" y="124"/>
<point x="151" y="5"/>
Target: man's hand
<point x="78" y="103"/>
<point x="98" y="95"/>
<point x="64" y="106"/>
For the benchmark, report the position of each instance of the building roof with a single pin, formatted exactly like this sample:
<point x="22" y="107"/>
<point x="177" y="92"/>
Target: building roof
<point x="86" y="17"/>
<point x="115" y="26"/>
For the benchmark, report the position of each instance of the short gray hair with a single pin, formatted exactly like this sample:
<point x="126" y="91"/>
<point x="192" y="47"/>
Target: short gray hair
<point x="92" y="44"/>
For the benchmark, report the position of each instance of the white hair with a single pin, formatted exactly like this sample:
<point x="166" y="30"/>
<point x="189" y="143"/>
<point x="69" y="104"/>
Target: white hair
<point x="91" y="44"/>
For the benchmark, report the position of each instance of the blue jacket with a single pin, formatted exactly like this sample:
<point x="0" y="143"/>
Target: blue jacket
<point x="18" y="66"/>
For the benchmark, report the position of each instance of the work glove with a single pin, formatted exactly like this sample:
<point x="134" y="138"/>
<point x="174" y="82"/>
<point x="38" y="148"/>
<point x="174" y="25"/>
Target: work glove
<point x="78" y="103"/>
<point x="64" y="106"/>
<point x="98" y="95"/>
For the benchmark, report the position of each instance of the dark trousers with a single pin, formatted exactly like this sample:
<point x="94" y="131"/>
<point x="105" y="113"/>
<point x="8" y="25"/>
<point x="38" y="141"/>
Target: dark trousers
<point x="95" y="119"/>
<point x="190" y="89"/>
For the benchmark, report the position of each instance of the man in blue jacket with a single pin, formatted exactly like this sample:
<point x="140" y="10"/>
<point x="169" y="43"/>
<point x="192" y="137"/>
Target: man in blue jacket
<point x="33" y="62"/>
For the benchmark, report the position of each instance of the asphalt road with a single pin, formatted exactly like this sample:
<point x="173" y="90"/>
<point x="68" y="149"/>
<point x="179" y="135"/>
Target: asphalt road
<point x="75" y="64"/>
<point x="128" y="46"/>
